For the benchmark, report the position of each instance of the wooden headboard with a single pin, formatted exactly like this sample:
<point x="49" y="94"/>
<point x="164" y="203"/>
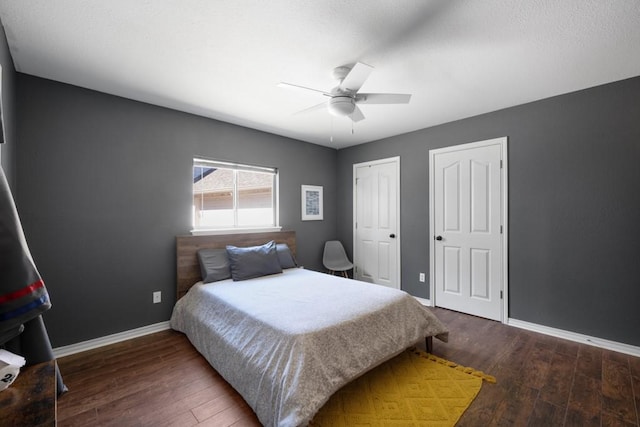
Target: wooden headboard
<point x="187" y="247"/>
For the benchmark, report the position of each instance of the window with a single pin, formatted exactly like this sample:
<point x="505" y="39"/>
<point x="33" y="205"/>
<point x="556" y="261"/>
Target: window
<point x="233" y="196"/>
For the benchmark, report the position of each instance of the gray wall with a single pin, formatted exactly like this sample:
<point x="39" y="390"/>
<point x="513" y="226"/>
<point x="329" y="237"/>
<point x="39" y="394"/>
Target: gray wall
<point x="104" y="186"/>
<point x="574" y="206"/>
<point x="7" y="149"/>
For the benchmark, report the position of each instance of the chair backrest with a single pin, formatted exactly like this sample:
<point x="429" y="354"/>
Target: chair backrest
<point x="334" y="252"/>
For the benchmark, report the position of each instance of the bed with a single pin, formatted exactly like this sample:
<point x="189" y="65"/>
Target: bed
<point x="287" y="341"/>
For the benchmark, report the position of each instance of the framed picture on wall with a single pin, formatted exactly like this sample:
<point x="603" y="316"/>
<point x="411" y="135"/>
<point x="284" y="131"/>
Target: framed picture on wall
<point x="312" y="203"/>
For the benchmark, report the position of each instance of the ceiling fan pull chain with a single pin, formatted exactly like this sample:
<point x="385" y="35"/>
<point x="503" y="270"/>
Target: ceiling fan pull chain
<point x="331" y="137"/>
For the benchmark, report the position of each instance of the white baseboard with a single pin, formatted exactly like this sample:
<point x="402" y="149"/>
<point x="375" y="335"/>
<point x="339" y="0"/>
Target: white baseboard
<point x="423" y="301"/>
<point x="109" y="339"/>
<point x="576" y="337"/>
<point x="162" y="326"/>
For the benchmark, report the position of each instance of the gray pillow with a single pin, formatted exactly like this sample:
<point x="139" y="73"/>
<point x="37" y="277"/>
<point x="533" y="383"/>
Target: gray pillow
<point x="214" y="265"/>
<point x="285" y="256"/>
<point x="253" y="261"/>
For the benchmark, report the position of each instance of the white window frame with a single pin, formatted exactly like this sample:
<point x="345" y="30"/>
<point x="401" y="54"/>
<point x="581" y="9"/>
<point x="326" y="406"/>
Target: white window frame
<point x="199" y="161"/>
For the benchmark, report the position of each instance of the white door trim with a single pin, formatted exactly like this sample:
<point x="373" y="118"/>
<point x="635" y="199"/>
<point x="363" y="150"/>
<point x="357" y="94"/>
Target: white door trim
<point x="504" y="220"/>
<point x="395" y="160"/>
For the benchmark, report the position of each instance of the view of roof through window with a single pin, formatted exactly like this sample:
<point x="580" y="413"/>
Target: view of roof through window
<point x="232" y="198"/>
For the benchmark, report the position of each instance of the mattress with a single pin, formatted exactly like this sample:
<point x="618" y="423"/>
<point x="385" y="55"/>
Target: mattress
<point x="286" y="342"/>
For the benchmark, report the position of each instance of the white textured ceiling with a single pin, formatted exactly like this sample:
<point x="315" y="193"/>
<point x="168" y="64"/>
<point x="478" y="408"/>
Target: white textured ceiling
<point x="224" y="58"/>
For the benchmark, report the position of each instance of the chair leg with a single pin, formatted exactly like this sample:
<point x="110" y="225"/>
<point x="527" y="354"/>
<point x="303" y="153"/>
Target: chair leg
<point x="345" y="274"/>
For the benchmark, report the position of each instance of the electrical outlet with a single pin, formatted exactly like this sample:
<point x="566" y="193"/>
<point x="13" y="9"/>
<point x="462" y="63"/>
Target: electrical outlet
<point x="422" y="278"/>
<point x="157" y="297"/>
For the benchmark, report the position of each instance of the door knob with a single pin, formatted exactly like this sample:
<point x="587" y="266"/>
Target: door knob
<point x="438" y="237"/>
<point x="393" y="236"/>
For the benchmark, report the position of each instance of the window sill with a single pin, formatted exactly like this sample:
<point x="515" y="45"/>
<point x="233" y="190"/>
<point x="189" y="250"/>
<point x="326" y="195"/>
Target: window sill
<point x="210" y="232"/>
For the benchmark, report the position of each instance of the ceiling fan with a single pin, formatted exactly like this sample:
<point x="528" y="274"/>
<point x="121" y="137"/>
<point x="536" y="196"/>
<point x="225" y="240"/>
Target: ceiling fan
<point x="345" y="98"/>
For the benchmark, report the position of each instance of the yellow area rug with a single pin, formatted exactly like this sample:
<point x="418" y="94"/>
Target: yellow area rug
<point x="413" y="389"/>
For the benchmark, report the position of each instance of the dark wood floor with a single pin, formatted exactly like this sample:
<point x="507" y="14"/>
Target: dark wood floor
<point x="160" y="380"/>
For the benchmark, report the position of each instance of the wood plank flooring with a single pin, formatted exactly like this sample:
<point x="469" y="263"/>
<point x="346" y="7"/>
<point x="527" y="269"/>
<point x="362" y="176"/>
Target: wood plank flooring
<point x="161" y="380"/>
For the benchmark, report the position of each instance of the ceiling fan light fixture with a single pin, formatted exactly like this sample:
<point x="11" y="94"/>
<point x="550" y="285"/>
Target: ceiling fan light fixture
<point x="341" y="106"/>
<point x="344" y="99"/>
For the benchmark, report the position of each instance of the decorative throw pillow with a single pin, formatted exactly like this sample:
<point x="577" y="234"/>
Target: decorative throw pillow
<point x="253" y="261"/>
<point x="214" y="265"/>
<point x="285" y="256"/>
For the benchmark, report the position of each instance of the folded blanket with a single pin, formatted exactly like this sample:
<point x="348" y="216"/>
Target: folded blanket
<point x="23" y="295"/>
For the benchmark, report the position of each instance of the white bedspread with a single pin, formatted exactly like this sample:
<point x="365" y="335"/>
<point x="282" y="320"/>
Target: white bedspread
<point x="287" y="342"/>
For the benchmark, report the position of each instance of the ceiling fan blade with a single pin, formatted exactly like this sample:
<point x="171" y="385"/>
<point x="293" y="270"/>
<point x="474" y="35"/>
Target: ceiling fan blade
<point x="321" y="106"/>
<point x="383" y="98"/>
<point x="292" y="86"/>
<point x="357" y="115"/>
<point x="356" y="77"/>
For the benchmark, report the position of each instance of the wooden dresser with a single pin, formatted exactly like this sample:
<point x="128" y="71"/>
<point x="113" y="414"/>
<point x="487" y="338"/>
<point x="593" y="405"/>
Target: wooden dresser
<point x="31" y="399"/>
